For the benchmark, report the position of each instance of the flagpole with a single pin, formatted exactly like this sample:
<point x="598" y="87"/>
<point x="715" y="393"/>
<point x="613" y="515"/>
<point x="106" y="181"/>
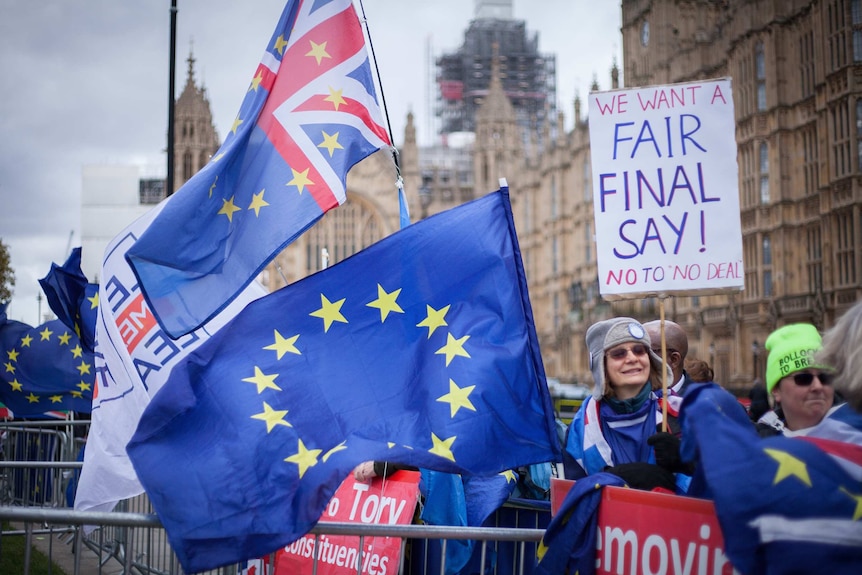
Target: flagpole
<point x="664" y="385"/>
<point x="403" y="212"/>
<point x="380" y="83"/>
<point x="169" y="181"/>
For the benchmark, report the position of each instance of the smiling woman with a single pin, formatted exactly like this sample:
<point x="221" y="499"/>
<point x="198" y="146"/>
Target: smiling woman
<point x="612" y="429"/>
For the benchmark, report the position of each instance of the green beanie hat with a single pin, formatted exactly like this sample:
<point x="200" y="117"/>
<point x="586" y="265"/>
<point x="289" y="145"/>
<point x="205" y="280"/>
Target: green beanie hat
<point x="791" y="349"/>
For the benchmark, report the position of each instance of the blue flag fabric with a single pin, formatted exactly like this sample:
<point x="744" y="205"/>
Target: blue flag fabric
<point x="784" y="504"/>
<point x="310" y="114"/>
<point x="44" y="369"/>
<point x="419" y="350"/>
<point x="455" y="500"/>
<point x="73" y="298"/>
<point x="569" y="543"/>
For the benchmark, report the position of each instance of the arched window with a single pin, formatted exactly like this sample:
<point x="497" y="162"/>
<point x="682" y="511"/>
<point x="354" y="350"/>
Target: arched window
<point x="760" y="74"/>
<point x="188" y="169"/>
<point x="764" y="173"/>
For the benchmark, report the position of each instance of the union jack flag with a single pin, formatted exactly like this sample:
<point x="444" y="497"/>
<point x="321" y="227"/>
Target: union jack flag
<point x="310" y="114"/>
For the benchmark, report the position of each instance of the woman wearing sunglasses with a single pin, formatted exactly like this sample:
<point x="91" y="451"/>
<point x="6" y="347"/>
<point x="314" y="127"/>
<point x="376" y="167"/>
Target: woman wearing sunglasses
<point x="801" y="388"/>
<point x="611" y="428"/>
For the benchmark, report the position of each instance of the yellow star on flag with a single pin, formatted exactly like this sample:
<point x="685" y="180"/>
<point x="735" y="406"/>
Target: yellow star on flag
<point x="272" y="417"/>
<point x="262" y="380"/>
<point x="304" y="458"/>
<point x="83" y="386"/>
<point x="442" y="447"/>
<point x="9" y="367"/>
<point x="335" y="97"/>
<point x="340" y="447"/>
<point x="329" y="312"/>
<point x="435" y="318"/>
<point x="84" y="368"/>
<point x="217" y="157"/>
<point x="56" y="398"/>
<point x="330" y="143"/>
<point x="12" y="354"/>
<point x="509" y="475"/>
<point x="25" y="341"/>
<point x="300" y="180"/>
<point x="94" y="301"/>
<point x="228" y="208"/>
<point x="76" y="394"/>
<point x="64" y="339"/>
<point x="46" y="334"/>
<point x="16" y="385"/>
<point x="453" y="347"/>
<point x="788" y="466"/>
<point x="280" y="43"/>
<point x="283" y="345"/>
<point x="236" y="124"/>
<point x="457" y="398"/>
<point x="257" y="202"/>
<point x="212" y="187"/>
<point x="857" y="513"/>
<point x="255" y="82"/>
<point x="386" y="303"/>
<point x="77" y="351"/>
<point x="33" y="398"/>
<point x="318" y="51"/>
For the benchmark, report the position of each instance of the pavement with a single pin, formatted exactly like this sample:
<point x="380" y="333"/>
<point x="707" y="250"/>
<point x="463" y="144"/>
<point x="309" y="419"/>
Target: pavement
<point x="60" y="548"/>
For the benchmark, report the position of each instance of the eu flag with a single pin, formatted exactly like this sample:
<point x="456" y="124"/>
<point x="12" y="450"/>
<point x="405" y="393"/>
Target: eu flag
<point x="73" y="298"/>
<point x="784" y="504"/>
<point x="419" y="350"/>
<point x="309" y="115"/>
<point x="569" y="544"/>
<point x="43" y="369"/>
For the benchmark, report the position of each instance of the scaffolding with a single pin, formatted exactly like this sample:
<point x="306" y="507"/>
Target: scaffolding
<point x="528" y="77"/>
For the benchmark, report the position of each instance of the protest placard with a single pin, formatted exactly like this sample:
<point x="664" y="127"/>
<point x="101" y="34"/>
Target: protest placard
<point x="643" y="532"/>
<point x="389" y="501"/>
<point x="665" y="190"/>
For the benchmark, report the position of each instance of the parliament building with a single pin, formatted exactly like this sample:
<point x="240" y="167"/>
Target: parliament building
<point x="796" y="72"/>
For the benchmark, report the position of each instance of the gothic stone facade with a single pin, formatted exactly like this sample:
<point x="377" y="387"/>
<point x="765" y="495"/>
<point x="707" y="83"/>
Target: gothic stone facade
<point x="796" y="70"/>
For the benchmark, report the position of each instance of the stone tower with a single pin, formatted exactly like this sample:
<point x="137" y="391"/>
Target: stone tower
<point x="195" y="136"/>
<point x="497" y="148"/>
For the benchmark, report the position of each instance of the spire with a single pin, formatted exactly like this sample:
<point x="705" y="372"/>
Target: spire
<point x="496" y="105"/>
<point x="191" y="60"/>
<point x="615" y="75"/>
<point x="495" y="62"/>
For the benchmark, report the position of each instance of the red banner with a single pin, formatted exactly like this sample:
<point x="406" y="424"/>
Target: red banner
<point x="390" y="501"/>
<point x="646" y="533"/>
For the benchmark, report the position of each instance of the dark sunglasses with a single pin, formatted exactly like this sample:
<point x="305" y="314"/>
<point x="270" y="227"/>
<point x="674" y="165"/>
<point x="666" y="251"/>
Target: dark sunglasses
<point x="806" y="379"/>
<point x="621" y="352"/>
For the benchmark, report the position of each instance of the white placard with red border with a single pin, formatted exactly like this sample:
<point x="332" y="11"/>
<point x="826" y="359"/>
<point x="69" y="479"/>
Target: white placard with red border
<point x="665" y="190"/>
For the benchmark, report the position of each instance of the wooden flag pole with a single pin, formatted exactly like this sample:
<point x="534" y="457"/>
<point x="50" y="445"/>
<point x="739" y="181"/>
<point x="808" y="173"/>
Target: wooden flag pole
<point x="663" y="364"/>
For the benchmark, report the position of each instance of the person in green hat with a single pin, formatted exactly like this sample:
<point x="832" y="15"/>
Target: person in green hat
<point x="801" y="388"/>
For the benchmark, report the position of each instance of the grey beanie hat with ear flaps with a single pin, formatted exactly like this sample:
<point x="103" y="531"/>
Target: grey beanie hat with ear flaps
<point x="603" y="335"/>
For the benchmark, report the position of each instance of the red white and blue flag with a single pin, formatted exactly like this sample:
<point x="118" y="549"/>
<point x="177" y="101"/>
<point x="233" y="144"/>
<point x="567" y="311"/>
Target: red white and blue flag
<point x="311" y="112"/>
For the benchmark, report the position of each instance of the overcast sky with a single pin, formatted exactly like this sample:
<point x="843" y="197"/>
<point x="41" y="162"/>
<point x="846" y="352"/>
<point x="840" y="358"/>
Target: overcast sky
<point x="86" y="81"/>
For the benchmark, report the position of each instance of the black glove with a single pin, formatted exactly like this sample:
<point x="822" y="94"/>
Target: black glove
<point x="645" y="476"/>
<point x="666" y="447"/>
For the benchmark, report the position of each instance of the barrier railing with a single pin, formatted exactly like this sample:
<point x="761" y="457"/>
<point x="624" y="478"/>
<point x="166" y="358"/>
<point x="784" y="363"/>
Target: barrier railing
<point x="149" y="524"/>
<point x="38" y="460"/>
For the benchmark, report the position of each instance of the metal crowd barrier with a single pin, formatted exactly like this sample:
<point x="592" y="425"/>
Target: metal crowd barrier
<point x="38" y="460"/>
<point x="143" y="549"/>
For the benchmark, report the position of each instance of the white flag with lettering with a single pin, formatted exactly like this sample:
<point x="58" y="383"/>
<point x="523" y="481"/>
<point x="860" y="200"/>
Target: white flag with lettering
<point x="134" y="357"/>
